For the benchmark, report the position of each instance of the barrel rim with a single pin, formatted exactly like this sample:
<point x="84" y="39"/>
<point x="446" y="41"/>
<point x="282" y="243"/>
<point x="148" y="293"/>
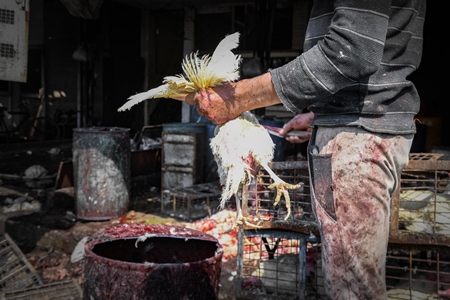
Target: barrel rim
<point x="102" y="236"/>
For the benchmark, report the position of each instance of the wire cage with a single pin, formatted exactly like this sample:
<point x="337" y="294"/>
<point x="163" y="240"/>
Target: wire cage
<point x="15" y="270"/>
<point x="278" y="264"/>
<point x="273" y="261"/>
<point x="421" y="210"/>
<point x="191" y="203"/>
<point x="417" y="272"/>
<point x="260" y="199"/>
<point x="67" y="289"/>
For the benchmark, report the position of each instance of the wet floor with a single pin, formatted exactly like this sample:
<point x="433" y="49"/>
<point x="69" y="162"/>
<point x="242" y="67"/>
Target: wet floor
<point x="55" y="265"/>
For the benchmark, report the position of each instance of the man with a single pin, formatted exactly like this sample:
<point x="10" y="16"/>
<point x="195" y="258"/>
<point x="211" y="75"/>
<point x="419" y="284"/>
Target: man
<point x="352" y="78"/>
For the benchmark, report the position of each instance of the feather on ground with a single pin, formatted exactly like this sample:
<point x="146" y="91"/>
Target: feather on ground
<point x="237" y="157"/>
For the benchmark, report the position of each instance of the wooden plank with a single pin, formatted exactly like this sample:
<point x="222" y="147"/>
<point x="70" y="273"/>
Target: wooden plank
<point x="428" y="165"/>
<point x="415" y="238"/>
<point x="64" y="177"/>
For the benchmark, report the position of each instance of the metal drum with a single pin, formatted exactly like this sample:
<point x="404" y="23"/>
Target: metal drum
<point x="161" y="262"/>
<point x="101" y="158"/>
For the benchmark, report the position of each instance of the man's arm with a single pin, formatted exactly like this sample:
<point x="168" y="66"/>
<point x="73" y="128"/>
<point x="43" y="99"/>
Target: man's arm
<point x="229" y="100"/>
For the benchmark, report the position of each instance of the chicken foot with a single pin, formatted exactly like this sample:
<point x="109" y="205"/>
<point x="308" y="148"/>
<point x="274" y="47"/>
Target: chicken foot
<point x="282" y="189"/>
<point x="242" y="217"/>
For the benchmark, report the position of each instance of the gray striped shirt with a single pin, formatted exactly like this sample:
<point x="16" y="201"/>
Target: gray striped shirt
<point x="357" y="57"/>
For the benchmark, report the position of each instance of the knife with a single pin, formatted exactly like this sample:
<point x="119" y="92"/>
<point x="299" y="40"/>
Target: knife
<point x="276" y="131"/>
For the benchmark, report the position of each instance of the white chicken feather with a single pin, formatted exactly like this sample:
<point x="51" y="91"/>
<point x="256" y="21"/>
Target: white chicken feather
<point x="233" y="169"/>
<point x="199" y="73"/>
<point x="240" y="146"/>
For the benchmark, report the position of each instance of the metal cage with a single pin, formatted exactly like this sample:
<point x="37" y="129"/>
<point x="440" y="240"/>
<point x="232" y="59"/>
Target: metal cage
<point x="15" y="270"/>
<point x="278" y="264"/>
<point x="191" y="203"/>
<point x="421" y="208"/>
<point x="414" y="272"/>
<point x="260" y="199"/>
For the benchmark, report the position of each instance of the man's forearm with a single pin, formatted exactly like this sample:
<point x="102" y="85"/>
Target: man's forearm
<point x="229" y="100"/>
<point x="255" y="93"/>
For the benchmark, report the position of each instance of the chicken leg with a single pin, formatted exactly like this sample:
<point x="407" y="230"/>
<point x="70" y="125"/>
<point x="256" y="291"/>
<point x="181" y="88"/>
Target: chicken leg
<point x="282" y="188"/>
<point x="242" y="216"/>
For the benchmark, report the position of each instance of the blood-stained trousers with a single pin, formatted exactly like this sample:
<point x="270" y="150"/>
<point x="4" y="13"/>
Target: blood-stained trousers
<point x="354" y="174"/>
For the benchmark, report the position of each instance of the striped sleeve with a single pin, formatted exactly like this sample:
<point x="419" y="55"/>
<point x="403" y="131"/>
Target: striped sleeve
<point x="345" y="42"/>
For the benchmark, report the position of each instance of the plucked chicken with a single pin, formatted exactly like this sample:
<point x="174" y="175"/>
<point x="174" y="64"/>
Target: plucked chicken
<point x="240" y="146"/>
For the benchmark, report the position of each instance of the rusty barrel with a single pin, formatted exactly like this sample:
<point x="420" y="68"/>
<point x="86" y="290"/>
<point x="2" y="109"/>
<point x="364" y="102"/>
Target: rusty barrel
<point x="101" y="159"/>
<point x="141" y="261"/>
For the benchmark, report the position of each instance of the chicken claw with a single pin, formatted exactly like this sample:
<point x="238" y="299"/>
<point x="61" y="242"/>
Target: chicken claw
<point x="242" y="218"/>
<point x="282" y="188"/>
<point x="241" y="221"/>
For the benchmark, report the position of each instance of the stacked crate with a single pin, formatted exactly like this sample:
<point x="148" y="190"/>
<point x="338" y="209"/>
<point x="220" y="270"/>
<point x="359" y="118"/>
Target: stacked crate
<point x="183" y="154"/>
<point x="421" y="208"/>
<point x="183" y="191"/>
<point x="272" y="260"/>
<point x="418" y="261"/>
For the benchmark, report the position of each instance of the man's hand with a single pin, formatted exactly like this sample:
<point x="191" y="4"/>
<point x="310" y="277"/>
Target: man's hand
<point x="301" y="123"/>
<point x="229" y="100"/>
<point x="217" y="103"/>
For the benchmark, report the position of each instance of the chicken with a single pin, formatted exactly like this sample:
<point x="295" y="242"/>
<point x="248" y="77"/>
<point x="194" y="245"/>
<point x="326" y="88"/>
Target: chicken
<point x="201" y="73"/>
<point x="280" y="274"/>
<point x="240" y="146"/>
<point x="425" y="211"/>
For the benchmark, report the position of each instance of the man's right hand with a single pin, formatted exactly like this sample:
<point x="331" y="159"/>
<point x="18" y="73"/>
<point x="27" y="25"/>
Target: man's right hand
<point x="301" y="123"/>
